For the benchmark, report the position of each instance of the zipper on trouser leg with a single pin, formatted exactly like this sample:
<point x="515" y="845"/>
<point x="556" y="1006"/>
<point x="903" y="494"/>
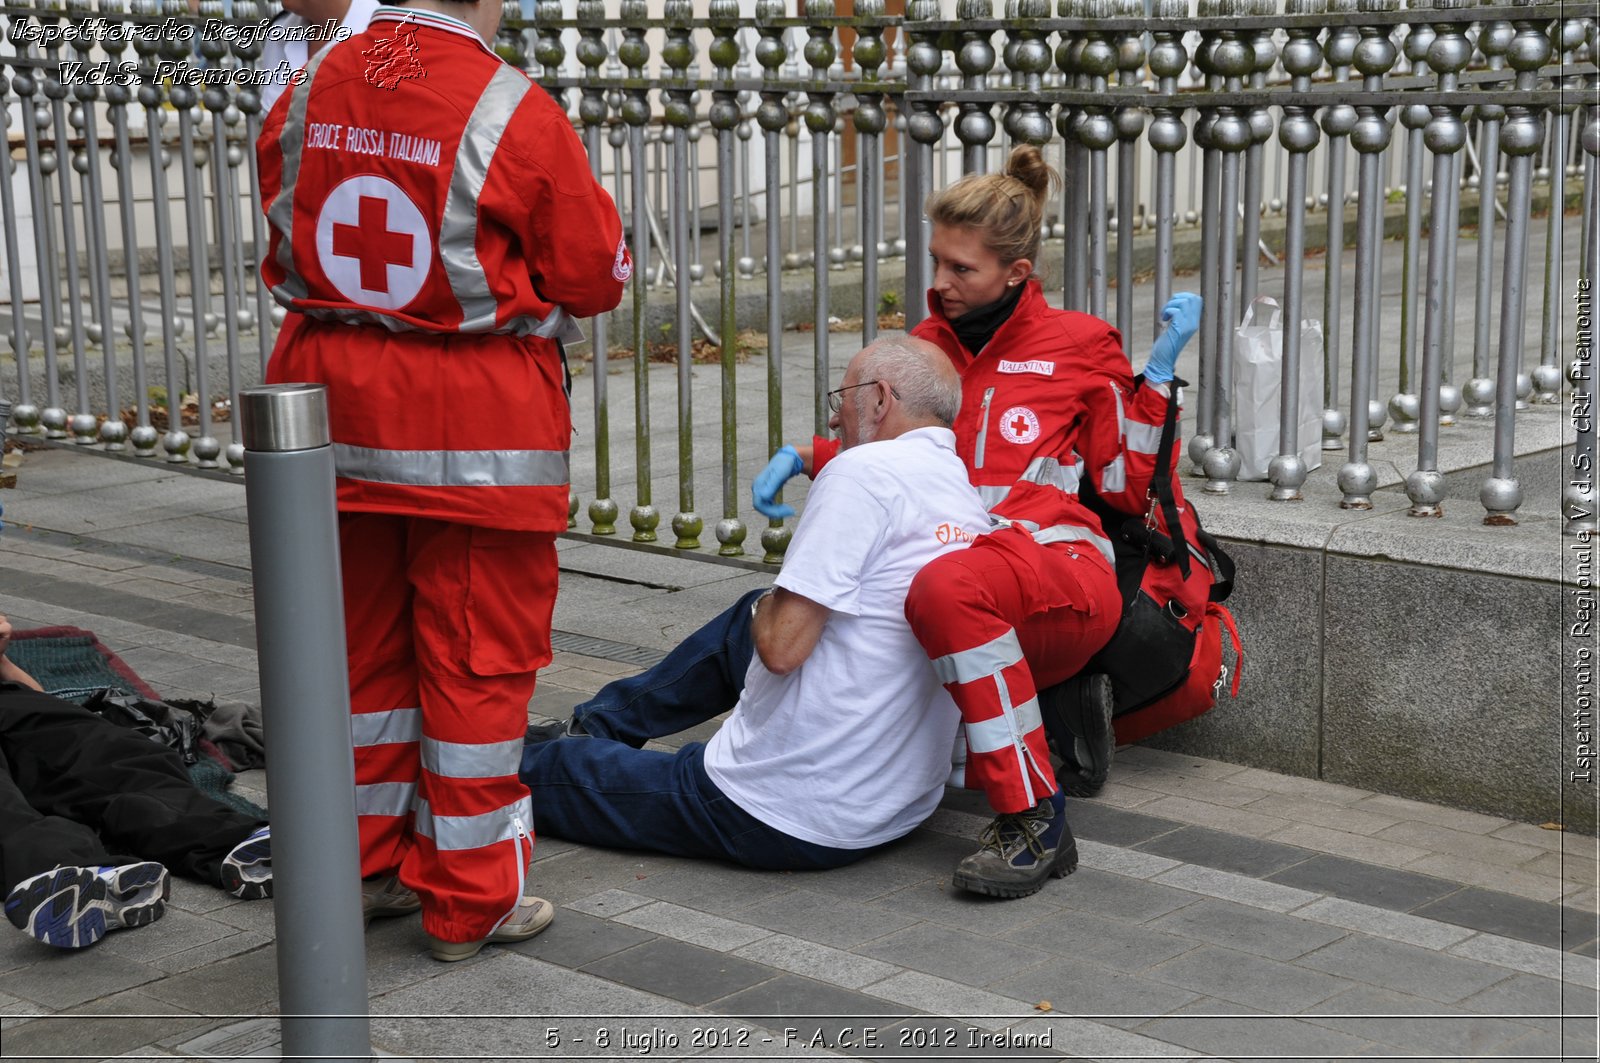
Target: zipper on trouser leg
<point x="983" y="431"/>
<point x="522" y="871"/>
<point x="1024" y="755"/>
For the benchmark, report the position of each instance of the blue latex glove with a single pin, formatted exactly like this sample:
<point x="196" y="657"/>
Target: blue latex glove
<point x="1181" y="315"/>
<point x="764" y="490"/>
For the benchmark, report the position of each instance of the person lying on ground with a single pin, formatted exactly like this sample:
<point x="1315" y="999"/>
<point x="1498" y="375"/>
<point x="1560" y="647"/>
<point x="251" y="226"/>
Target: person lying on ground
<point x="93" y="815"/>
<point x="840" y="736"/>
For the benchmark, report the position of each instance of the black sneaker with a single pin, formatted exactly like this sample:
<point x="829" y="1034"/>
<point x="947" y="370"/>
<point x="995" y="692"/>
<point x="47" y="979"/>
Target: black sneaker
<point x="1077" y="717"/>
<point x="1020" y="851"/>
<point x="247" y="869"/>
<point x="550" y="732"/>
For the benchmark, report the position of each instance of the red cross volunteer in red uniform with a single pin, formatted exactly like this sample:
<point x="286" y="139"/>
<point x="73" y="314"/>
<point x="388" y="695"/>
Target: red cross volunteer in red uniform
<point x="434" y="232"/>
<point x="1049" y="404"/>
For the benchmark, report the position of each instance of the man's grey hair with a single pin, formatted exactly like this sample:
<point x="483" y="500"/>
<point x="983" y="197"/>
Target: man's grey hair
<point x="920" y="374"/>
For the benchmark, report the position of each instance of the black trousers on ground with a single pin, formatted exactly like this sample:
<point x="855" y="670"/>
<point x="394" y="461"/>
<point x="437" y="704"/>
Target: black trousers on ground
<point x="76" y="790"/>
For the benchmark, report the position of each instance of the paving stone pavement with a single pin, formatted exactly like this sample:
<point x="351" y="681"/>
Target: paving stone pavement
<point x="1219" y="912"/>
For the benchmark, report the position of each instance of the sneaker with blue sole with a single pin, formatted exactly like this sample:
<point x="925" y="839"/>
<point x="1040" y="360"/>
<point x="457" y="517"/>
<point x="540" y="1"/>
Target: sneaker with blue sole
<point x="247" y="869"/>
<point x="74" y="907"/>
<point x="1020" y="851"/>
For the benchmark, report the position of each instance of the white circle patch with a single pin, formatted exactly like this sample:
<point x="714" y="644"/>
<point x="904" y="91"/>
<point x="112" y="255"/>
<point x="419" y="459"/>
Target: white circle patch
<point x="373" y="242"/>
<point x="1019" y="425"/>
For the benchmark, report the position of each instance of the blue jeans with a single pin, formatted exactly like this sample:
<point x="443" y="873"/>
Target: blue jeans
<point x="696" y="681"/>
<point x="605" y="790"/>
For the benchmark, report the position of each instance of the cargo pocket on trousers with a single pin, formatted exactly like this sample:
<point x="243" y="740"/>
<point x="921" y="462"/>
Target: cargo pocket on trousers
<point x="511" y="596"/>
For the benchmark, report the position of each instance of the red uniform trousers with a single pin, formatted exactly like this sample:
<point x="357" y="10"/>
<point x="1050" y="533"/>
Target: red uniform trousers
<point x="447" y="625"/>
<point x="999" y="619"/>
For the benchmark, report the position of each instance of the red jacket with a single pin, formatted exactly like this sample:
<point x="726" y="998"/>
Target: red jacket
<point x="434" y="230"/>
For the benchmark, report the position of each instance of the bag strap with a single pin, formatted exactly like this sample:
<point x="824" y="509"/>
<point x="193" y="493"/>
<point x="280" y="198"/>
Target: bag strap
<point x="1226" y="618"/>
<point x="1221" y="564"/>
<point x="1161" y="483"/>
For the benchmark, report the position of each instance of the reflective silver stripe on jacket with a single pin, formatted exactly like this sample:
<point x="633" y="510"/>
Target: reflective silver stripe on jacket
<point x="1005" y="730"/>
<point x="1051" y="473"/>
<point x="385" y="728"/>
<point x="473" y="832"/>
<point x="1143" y="438"/>
<point x="475" y="760"/>
<point x="385" y="798"/>
<point x="452" y="468"/>
<point x="458" y="229"/>
<point x="980" y="661"/>
<point x="281" y="214"/>
<point x="993" y="496"/>
<point x="1114" y="477"/>
<point x="1072" y="533"/>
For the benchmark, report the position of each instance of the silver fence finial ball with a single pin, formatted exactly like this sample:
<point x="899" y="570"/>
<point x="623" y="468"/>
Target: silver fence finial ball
<point x="54" y="420"/>
<point x="730" y="533"/>
<point x="144" y="439"/>
<point x="1334" y="423"/>
<point x="1377" y="415"/>
<point x="1357" y="480"/>
<point x="1199" y="444"/>
<point x="206" y="452"/>
<point x="1479" y="396"/>
<point x="1524" y="388"/>
<point x="233" y="453"/>
<point x="687" y="527"/>
<point x="84" y="427"/>
<point x="1221" y="468"/>
<point x="26" y="418"/>
<point x="603" y="514"/>
<point x="1425" y="488"/>
<point x="1501" y="497"/>
<point x="1287" y="473"/>
<point x="1404" y="409"/>
<point x="644" y="519"/>
<point x="1547" y="383"/>
<point x="1449" y="403"/>
<point x="114" y="434"/>
<point x="774" y="541"/>
<point x="177" y="443"/>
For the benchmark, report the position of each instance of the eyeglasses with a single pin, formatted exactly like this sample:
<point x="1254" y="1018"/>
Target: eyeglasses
<point x="836" y="398"/>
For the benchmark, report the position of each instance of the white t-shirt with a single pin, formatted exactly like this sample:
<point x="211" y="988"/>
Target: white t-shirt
<point x="852" y="748"/>
<point x="275" y="50"/>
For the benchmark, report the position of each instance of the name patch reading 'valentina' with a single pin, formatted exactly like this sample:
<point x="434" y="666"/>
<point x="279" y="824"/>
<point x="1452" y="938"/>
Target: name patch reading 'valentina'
<point x="1039" y="366"/>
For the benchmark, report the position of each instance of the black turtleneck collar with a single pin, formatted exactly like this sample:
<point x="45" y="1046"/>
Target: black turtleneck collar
<point x="977" y="327"/>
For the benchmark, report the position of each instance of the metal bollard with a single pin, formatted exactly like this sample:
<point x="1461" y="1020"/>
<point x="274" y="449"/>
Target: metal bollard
<point x="305" y="696"/>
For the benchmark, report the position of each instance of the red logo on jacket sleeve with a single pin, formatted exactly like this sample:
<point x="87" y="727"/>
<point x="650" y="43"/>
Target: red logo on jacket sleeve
<point x="622" y="268"/>
<point x="391" y="60"/>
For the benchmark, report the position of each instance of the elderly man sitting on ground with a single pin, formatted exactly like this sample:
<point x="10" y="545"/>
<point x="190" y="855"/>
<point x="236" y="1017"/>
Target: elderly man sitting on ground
<point x="841" y="738"/>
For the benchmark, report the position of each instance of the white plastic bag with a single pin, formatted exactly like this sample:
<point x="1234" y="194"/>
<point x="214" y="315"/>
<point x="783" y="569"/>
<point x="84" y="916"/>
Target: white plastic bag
<point x="1258" y="383"/>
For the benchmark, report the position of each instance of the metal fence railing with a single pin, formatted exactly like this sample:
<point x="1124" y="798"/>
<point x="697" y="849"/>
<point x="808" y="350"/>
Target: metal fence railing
<point x="764" y="146"/>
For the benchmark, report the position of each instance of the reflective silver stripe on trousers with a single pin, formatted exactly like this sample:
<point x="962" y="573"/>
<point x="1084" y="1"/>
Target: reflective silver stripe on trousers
<point x="385" y="728"/>
<point x="463" y="760"/>
<point x="993" y="496"/>
<point x="458" y="228"/>
<point x="385" y="798"/>
<point x="979" y="661"/>
<point x="988" y="736"/>
<point x="1143" y="438"/>
<point x="452" y="468"/>
<point x="1072" y="533"/>
<point x="281" y="214"/>
<point x="473" y="832"/>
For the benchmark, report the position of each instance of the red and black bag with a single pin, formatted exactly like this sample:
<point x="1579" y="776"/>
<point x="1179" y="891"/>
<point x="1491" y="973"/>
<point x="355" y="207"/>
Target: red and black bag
<point x="1165" y="659"/>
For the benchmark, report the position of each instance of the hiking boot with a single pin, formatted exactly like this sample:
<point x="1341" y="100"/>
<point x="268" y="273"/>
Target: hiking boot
<point x="74" y="907"/>
<point x="247" y="870"/>
<point x="531" y="916"/>
<point x="1019" y="851"/>
<point x="1077" y="717"/>
<point x="383" y="897"/>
